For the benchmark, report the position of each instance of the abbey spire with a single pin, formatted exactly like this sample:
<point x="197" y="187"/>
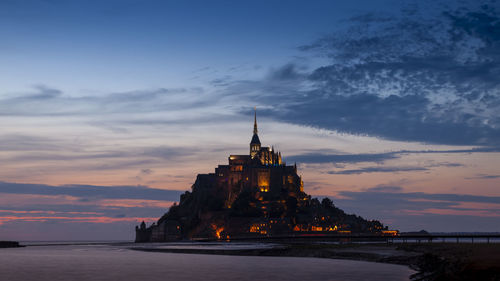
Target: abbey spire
<point x="255" y="131"/>
<point x="255" y="143"/>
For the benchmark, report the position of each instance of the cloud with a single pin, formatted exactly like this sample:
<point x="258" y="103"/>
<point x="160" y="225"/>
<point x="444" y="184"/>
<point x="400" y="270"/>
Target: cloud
<point x="18" y="142"/>
<point x="381" y="169"/>
<point x="484" y="176"/>
<point x="326" y="157"/>
<point x="392" y="169"/>
<point x="90" y="191"/>
<point x="56" y="210"/>
<point x="146" y="171"/>
<point x="447" y="164"/>
<point x="385" y="188"/>
<point x="421" y="76"/>
<point x="409" y="211"/>
<point x="169" y="152"/>
<point x="47" y="101"/>
<point x="43" y="93"/>
<point x="411" y="75"/>
<point x="34" y="149"/>
<point x="342" y="158"/>
<point x="286" y="72"/>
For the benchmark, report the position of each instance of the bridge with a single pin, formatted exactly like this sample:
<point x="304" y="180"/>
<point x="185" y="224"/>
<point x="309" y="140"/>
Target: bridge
<point x="361" y="238"/>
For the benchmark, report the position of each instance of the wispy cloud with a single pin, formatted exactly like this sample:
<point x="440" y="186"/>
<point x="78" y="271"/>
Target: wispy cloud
<point x="47" y="101"/>
<point x="377" y="170"/>
<point x="18" y="142"/>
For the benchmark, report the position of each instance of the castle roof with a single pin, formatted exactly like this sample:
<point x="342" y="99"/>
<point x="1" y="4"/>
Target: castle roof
<point x="255" y="139"/>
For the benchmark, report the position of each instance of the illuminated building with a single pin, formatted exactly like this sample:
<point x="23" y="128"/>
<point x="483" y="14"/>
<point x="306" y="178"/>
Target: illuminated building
<point x="253" y="195"/>
<point x="263" y="170"/>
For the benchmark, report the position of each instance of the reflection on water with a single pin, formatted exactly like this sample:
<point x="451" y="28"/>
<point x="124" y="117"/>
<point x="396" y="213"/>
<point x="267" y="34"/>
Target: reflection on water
<point x="232" y="246"/>
<point x="117" y="262"/>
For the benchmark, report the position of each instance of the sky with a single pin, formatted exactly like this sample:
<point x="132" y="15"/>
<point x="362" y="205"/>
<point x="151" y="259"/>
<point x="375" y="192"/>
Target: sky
<point x="109" y="109"/>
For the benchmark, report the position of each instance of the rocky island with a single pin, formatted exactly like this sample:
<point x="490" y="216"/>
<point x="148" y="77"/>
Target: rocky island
<point x="9" y="244"/>
<point x="254" y="195"/>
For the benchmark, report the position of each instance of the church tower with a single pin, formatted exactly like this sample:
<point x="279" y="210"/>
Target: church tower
<point x="255" y="143"/>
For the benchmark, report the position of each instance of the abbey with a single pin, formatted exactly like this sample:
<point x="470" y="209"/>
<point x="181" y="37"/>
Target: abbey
<point x="261" y="170"/>
<point x="253" y="195"/>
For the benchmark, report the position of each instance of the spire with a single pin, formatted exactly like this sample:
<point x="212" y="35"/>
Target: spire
<point x="255" y="143"/>
<point x="255" y="121"/>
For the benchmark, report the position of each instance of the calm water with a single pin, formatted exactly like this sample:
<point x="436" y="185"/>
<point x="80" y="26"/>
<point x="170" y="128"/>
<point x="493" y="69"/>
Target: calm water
<point x="115" y="262"/>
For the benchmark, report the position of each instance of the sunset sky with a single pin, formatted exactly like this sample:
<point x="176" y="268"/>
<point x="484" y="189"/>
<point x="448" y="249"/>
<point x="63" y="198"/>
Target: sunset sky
<point x="109" y="109"/>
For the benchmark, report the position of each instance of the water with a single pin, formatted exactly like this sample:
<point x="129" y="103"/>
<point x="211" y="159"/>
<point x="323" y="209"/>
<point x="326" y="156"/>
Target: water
<point x="117" y="262"/>
<point x="232" y="246"/>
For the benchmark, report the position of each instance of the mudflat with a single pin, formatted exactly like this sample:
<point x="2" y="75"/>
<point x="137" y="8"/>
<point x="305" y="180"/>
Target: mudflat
<point x="432" y="261"/>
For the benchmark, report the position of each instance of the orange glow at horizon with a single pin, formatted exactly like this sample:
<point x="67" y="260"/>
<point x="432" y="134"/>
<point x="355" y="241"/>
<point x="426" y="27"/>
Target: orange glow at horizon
<point x="95" y="219"/>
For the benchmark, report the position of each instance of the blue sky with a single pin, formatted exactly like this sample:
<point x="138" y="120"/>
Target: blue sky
<point x="388" y="107"/>
<point x="140" y="44"/>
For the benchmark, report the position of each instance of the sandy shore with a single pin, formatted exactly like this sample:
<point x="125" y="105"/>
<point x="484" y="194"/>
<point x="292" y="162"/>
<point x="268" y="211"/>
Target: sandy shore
<point x="435" y="261"/>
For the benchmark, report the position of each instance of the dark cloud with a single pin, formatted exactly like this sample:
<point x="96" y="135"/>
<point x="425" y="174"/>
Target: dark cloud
<point x="43" y="92"/>
<point x="409" y="211"/>
<point x="380" y="169"/>
<point x="287" y="72"/>
<point x="90" y="191"/>
<point x="483" y="176"/>
<point x="393" y="117"/>
<point x="392" y="169"/>
<point x="342" y="158"/>
<point x="407" y="200"/>
<point x="322" y="157"/>
<point x="447" y="164"/>
<point x="426" y="74"/>
<point x="385" y="188"/>
<point x="147" y="171"/>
